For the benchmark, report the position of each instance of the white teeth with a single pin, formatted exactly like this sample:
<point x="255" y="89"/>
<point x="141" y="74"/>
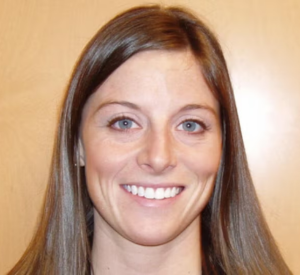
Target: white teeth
<point x="168" y="193"/>
<point x="141" y="191"/>
<point x="134" y="190"/>
<point x="151" y="193"/>
<point x="173" y="192"/>
<point x="159" y="194"/>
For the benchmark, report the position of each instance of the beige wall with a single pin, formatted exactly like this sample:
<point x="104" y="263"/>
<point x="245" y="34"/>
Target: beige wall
<point x="40" y="41"/>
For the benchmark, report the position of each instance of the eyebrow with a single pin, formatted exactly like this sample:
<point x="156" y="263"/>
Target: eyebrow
<point x="136" y="107"/>
<point x="123" y="103"/>
<point x="199" y="106"/>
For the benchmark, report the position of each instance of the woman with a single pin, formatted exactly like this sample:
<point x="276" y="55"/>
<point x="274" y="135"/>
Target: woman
<point x="149" y="174"/>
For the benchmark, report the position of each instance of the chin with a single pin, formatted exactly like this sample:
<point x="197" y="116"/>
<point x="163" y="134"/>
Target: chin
<point x="151" y="235"/>
<point x="152" y="238"/>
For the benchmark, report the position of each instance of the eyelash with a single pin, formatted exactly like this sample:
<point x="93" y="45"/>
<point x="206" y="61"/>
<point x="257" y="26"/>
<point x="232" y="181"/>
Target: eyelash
<point x="199" y="122"/>
<point x="112" y="121"/>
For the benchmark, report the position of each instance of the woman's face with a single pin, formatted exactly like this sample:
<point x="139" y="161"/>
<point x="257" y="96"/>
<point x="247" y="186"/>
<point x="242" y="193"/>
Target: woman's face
<point x="151" y="145"/>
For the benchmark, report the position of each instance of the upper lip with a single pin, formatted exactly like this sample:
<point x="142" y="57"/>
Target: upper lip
<point x="154" y="185"/>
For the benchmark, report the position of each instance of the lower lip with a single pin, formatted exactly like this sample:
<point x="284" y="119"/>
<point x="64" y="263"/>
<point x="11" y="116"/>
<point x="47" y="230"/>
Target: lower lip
<point x="153" y="202"/>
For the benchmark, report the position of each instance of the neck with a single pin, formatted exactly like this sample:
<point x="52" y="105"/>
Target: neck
<point x="114" y="256"/>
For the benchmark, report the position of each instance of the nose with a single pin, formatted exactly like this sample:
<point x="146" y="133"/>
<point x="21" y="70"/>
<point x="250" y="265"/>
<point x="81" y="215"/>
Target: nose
<point x="158" y="153"/>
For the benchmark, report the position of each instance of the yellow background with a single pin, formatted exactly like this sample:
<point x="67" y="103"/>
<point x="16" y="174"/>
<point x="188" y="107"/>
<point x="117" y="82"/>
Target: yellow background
<point x="40" y="42"/>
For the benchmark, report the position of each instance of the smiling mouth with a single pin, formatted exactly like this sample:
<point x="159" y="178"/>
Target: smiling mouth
<point x="153" y="193"/>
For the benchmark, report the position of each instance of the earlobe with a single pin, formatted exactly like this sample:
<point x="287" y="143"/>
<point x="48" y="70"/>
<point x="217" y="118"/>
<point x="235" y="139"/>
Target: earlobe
<point x="81" y="153"/>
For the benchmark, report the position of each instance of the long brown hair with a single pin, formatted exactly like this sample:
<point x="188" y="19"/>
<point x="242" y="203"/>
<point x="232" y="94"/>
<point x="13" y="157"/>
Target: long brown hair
<point x="235" y="236"/>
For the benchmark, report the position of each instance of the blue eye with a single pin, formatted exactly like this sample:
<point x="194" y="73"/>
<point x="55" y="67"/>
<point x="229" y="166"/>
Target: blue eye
<point x="122" y="123"/>
<point x="191" y="126"/>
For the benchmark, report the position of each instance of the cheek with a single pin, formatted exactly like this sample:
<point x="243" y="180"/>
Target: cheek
<point x="104" y="160"/>
<point x="205" y="162"/>
<point x="205" y="165"/>
<point x="103" y="163"/>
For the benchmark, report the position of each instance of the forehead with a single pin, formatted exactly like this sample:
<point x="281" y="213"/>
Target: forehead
<point x="169" y="77"/>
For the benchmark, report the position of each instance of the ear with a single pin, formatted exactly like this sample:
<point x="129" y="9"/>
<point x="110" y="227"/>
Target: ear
<point x="81" y="153"/>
